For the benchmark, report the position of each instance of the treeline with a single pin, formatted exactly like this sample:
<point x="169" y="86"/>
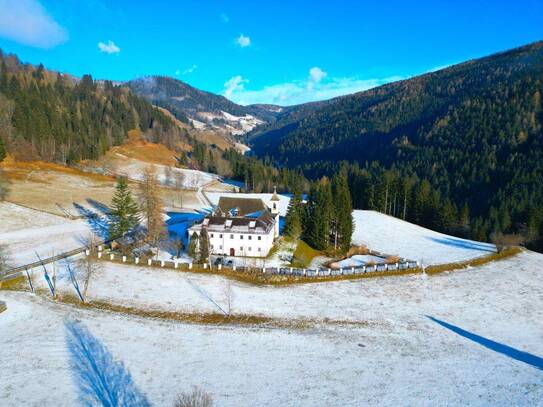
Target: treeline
<point x="325" y="220"/>
<point x="257" y="175"/>
<point x="54" y="117"/>
<point x="413" y="199"/>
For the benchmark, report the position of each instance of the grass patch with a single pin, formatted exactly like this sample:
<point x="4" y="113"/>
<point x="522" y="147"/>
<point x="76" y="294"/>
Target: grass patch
<point x="216" y="318"/>
<point x="504" y="254"/>
<point x="14" y="284"/>
<point x="303" y="255"/>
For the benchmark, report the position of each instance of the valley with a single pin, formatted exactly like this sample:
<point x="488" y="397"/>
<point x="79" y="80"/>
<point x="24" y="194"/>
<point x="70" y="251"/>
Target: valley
<point x="164" y="245"/>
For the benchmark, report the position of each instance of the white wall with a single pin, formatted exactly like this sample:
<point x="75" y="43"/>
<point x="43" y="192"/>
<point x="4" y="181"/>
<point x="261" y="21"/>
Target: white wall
<point x="242" y="245"/>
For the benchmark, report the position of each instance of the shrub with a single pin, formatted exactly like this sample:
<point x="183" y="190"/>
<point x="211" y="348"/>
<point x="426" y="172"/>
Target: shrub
<point x="197" y="397"/>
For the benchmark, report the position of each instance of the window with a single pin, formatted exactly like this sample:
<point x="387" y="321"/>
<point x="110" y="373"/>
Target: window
<point x="241" y="237"/>
<point x="231" y="236"/>
<point x="211" y="235"/>
<point x="259" y="249"/>
<point x="249" y="248"/>
<point x="250" y="237"/>
<point x="241" y="249"/>
<point x="220" y="235"/>
<point x="259" y="237"/>
<point x="211" y="247"/>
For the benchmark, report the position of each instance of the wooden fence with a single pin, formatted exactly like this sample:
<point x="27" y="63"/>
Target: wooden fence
<point x="288" y="271"/>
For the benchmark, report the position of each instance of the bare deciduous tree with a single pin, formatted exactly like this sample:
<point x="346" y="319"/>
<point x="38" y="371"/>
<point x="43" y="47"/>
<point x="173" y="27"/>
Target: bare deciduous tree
<point x="4" y="186"/>
<point x="229" y="297"/>
<point x="197" y="397"/>
<point x="4" y="258"/>
<point x="89" y="265"/>
<point x="178" y="186"/>
<point x="503" y="241"/>
<point x="151" y="206"/>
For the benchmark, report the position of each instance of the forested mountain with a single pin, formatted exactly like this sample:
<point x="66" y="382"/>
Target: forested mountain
<point x="468" y="137"/>
<point x="54" y="117"/>
<point x="191" y="105"/>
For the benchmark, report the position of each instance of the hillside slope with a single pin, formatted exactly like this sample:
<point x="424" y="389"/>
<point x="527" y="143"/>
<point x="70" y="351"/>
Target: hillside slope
<point x="55" y="117"/>
<point x="205" y="110"/>
<point x="473" y="130"/>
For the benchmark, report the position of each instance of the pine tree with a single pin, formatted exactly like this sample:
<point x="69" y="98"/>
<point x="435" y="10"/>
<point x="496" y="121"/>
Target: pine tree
<point x="193" y="246"/>
<point x="124" y="210"/>
<point x="204" y="247"/>
<point x="342" y="221"/>
<point x="293" y="219"/>
<point x="320" y="214"/>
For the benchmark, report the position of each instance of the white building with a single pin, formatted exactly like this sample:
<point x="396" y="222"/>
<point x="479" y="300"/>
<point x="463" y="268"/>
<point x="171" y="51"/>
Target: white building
<point x="243" y="227"/>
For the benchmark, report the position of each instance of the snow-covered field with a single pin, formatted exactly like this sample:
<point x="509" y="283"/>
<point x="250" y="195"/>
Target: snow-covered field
<point x="26" y="231"/>
<point x="133" y="169"/>
<point x="393" y="236"/>
<point x="395" y="355"/>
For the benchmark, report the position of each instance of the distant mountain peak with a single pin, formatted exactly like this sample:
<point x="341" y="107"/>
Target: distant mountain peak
<point x="204" y="110"/>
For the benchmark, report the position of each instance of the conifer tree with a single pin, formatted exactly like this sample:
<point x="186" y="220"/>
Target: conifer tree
<point x="320" y="214"/>
<point x="124" y="210"/>
<point x="204" y="247"/>
<point x="151" y="205"/>
<point x="193" y="246"/>
<point x="293" y="219"/>
<point x="342" y="221"/>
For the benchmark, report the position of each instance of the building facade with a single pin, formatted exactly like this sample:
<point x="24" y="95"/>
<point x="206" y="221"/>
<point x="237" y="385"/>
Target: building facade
<point x="244" y="227"/>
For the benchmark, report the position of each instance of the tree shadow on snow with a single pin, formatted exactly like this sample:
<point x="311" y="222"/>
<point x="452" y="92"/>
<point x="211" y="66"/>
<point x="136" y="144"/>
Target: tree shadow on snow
<point x="513" y="353"/>
<point x="100" y="379"/>
<point x="99" y="225"/>
<point x="99" y="206"/>
<point x="463" y="244"/>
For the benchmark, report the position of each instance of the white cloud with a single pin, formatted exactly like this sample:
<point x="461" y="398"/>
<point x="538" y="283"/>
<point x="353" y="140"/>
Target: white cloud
<point x="243" y="41"/>
<point x="316" y="75"/>
<point x="316" y="87"/>
<point x="234" y="85"/>
<point x="27" y="22"/>
<point x="190" y="69"/>
<point x="224" y="18"/>
<point x="109" y="48"/>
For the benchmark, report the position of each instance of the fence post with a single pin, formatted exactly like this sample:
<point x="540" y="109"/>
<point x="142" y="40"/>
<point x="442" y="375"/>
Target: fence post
<point x="352" y="270"/>
<point x="190" y="266"/>
<point x="234" y="267"/>
<point x="87" y="252"/>
<point x="111" y="256"/>
<point x="99" y="255"/>
<point x="161" y="263"/>
<point x="219" y="266"/>
<point x="100" y="247"/>
<point x="175" y="264"/>
<point x="136" y="260"/>
<point x="149" y="262"/>
<point x="264" y="270"/>
<point x="124" y="259"/>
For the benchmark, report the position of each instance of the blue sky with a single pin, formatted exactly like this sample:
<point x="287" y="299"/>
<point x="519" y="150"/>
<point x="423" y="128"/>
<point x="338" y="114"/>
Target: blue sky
<point x="282" y="52"/>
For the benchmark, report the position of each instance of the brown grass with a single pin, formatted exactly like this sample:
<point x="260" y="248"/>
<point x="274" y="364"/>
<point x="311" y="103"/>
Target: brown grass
<point x="144" y="151"/>
<point x="479" y="261"/>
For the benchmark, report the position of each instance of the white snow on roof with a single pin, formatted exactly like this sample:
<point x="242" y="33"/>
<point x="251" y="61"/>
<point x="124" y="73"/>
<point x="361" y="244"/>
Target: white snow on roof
<point x="282" y="205"/>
